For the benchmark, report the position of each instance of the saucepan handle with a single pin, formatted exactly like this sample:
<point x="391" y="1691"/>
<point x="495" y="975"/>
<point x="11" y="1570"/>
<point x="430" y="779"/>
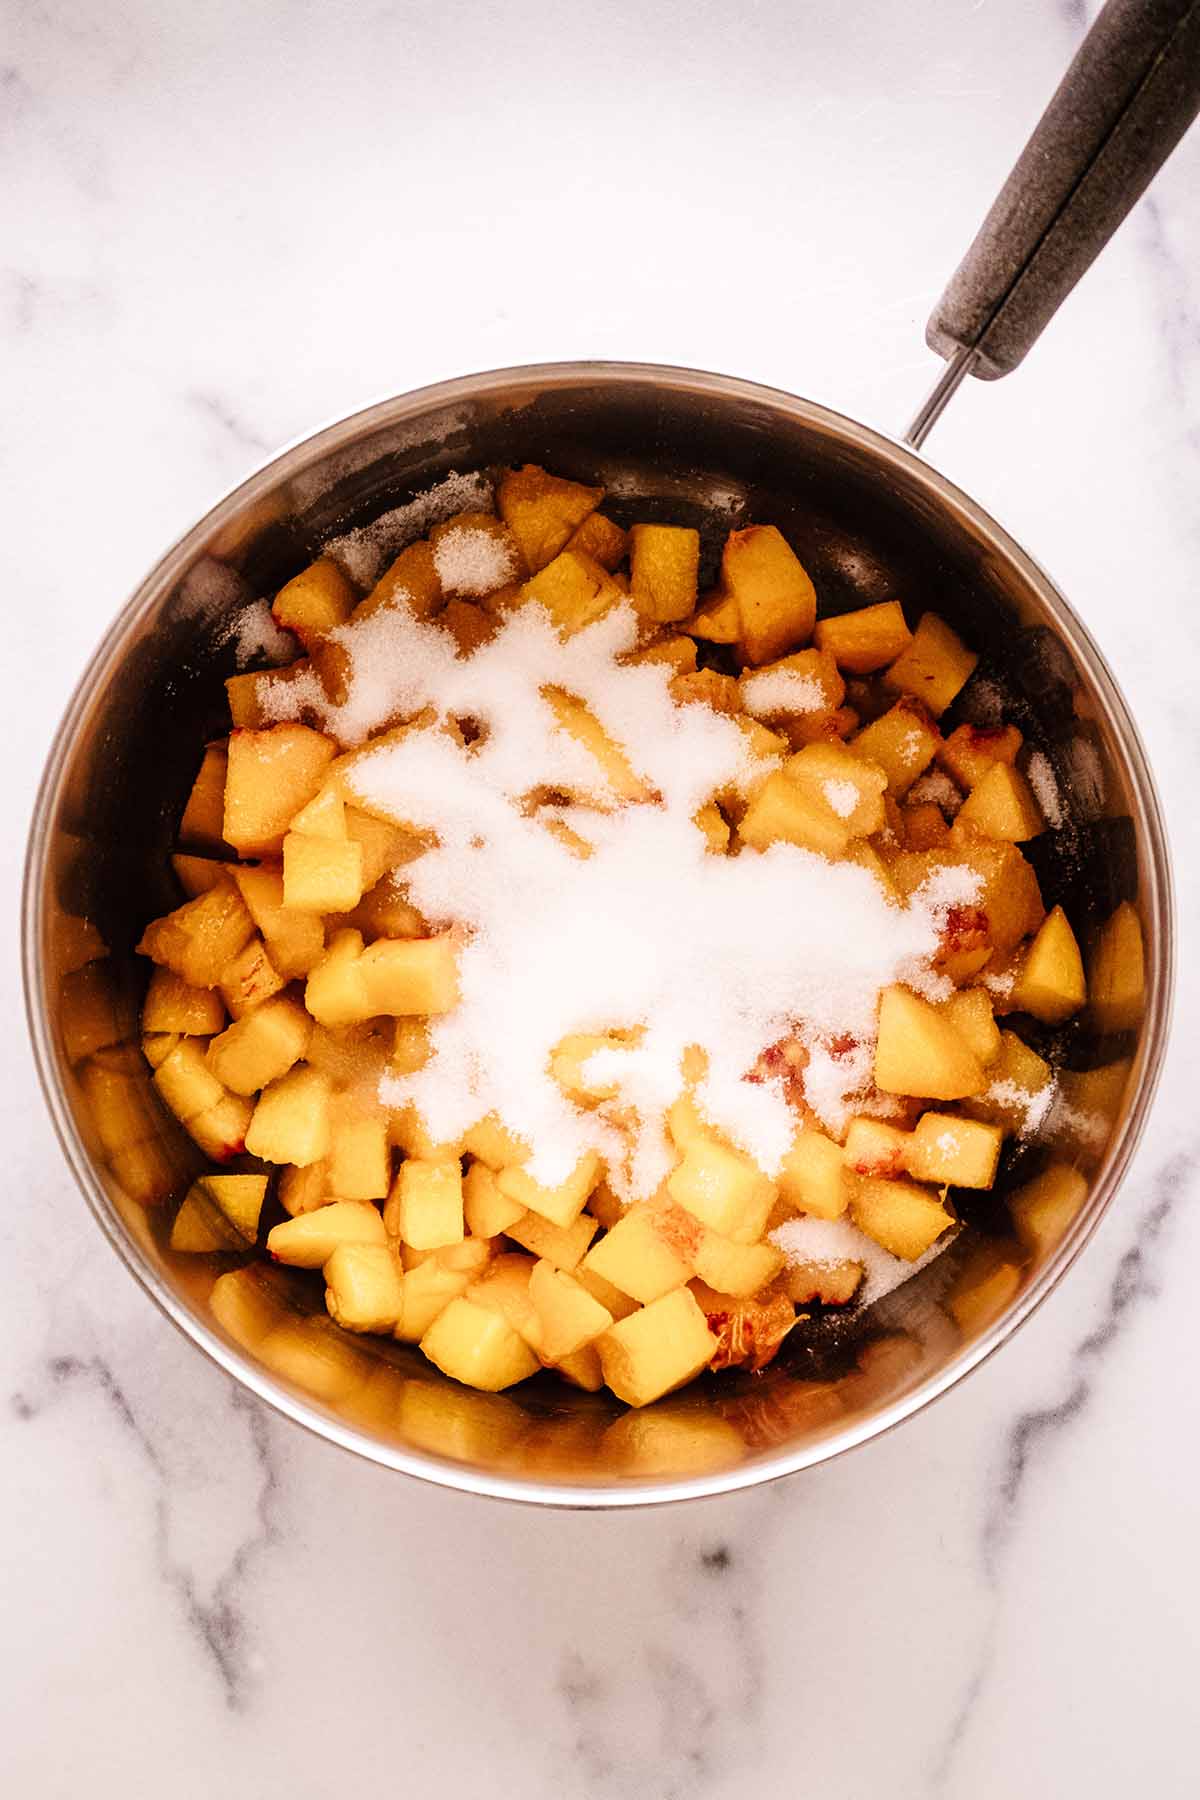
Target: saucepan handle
<point x="1124" y="103"/>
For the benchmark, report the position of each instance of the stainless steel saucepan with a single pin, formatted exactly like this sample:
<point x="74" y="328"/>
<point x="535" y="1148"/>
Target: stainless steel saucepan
<point x="870" y="520"/>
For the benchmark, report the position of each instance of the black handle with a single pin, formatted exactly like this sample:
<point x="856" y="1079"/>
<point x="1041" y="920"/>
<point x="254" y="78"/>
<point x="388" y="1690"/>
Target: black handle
<point x="1119" y="111"/>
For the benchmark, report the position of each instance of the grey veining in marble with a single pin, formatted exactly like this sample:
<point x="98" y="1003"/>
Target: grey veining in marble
<point x="224" y="225"/>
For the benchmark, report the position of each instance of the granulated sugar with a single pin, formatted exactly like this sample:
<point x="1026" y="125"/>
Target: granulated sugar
<point x="827" y="1241"/>
<point x="936" y="786"/>
<point x="983" y="702"/>
<point x="471" y="561"/>
<point x="256" y="637"/>
<point x="1041" y="779"/>
<point x="842" y="797"/>
<point x="781" y="690"/>
<point x="650" y="930"/>
<point x="1030" y="1107"/>
<point x="364" y="552"/>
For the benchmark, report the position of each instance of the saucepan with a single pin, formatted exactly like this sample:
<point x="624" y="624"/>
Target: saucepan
<point x="870" y="521"/>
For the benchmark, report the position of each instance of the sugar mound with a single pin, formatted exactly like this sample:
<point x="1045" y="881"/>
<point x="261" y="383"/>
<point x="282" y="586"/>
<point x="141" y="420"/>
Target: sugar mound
<point x="472" y="562"/>
<point x="781" y="690"/>
<point x="648" y="929"/>
<point x="826" y="1241"/>
<point x="841" y="795"/>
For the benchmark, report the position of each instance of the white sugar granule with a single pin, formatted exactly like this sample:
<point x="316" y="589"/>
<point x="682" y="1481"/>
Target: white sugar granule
<point x="1089" y="1129"/>
<point x="825" y="1241"/>
<point x="650" y="930"/>
<point x="1029" y="1105"/>
<point x="1000" y="983"/>
<point x="936" y="786"/>
<point x="363" y="553"/>
<point x="842" y="796"/>
<point x="1041" y="779"/>
<point x="782" y="691"/>
<point x="255" y="635"/>
<point x="471" y="561"/>
<point x="983" y="702"/>
<point x="837" y="1079"/>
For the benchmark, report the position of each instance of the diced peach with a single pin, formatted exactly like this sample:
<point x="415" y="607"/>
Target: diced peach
<point x="664" y="563"/>
<point x="291" y="1119"/>
<point x="723" y="1189"/>
<point x="415" y="975"/>
<point x="1116" y="973"/>
<point x="486" y="1211"/>
<point x="561" y="1245"/>
<point x="647" y="1253"/>
<point x="321" y="875"/>
<point x="429" y="1198"/>
<point x="202" y="826"/>
<point x="865" y="640"/>
<point x="813" y="1176"/>
<point x="171" y="1005"/>
<point x="336" y="992"/>
<point x="570" y="1317"/>
<point x="272" y="774"/>
<point x="308" y="1242"/>
<point x="934" y="666"/>
<point x="1016" y="1080"/>
<point x="411" y="580"/>
<point x="314" y="602"/>
<point x="902" y="743"/>
<point x="739" y="1269"/>
<point x="601" y="538"/>
<point x="918" y="1051"/>
<point x="899" y="1215"/>
<point x="295" y="941"/>
<point x="776" y="600"/>
<point x="718" y="621"/>
<point x="574" y="590"/>
<point x="657" y="1349"/>
<point x="249" y="979"/>
<point x="1050" y="983"/>
<point x="196" y="874"/>
<point x="873" y="1147"/>
<point x="324" y="816"/>
<point x="561" y="1204"/>
<point x="200" y="937"/>
<point x="844" y="786"/>
<point x="360" y="1160"/>
<point x="1002" y="806"/>
<point x="260" y="1047"/>
<point x="478" y="1346"/>
<point x="971" y="751"/>
<point x="364" y="1287"/>
<point x="1044" y="1208"/>
<point x="782" y="812"/>
<point x="543" y="511"/>
<point x="705" y="687"/>
<point x="950" y="1151"/>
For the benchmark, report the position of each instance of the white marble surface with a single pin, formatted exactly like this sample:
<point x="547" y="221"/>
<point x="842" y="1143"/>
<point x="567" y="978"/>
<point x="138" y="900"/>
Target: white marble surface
<point x="225" y="223"/>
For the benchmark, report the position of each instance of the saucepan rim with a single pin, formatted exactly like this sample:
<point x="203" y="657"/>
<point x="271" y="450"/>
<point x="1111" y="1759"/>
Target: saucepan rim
<point x="888" y="452"/>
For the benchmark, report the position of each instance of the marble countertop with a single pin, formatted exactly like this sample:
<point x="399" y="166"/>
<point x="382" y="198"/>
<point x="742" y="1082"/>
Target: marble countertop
<point x="226" y="224"/>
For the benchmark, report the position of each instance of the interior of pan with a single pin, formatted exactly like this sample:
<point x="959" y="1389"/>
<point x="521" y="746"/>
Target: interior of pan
<point x="869" y="522"/>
